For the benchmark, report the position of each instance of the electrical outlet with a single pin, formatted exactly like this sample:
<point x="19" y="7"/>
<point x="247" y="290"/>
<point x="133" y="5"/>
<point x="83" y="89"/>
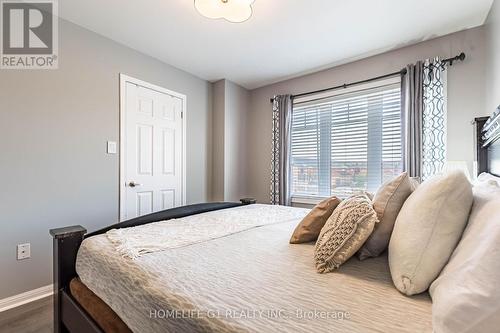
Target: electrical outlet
<point x="23" y="251"/>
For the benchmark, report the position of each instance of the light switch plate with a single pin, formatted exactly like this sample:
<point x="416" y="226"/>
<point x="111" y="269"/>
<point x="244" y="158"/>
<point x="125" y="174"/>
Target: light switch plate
<point x="112" y="147"/>
<point x="23" y="251"/>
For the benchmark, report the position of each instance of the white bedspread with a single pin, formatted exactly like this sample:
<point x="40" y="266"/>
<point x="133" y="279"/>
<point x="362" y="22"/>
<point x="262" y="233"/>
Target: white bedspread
<point x="153" y="237"/>
<point x="250" y="281"/>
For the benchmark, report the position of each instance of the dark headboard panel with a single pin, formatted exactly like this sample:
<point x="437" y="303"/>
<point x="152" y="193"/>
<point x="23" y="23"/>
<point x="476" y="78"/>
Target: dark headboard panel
<point x="494" y="158"/>
<point x="488" y="143"/>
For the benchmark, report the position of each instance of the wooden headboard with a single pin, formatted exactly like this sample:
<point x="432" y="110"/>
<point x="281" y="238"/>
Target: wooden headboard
<point x="488" y="143"/>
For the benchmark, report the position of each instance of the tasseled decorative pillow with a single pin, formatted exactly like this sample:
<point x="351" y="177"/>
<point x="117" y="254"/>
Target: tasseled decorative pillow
<point x="344" y="233"/>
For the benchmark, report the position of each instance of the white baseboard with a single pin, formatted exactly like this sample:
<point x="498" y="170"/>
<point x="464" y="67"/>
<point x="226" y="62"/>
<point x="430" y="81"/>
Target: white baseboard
<point x="27" y="297"/>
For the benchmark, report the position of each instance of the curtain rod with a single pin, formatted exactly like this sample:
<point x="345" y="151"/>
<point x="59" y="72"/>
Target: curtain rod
<point x="450" y="61"/>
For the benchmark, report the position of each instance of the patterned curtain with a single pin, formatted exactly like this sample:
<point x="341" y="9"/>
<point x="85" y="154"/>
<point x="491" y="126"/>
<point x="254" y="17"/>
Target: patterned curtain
<point x="280" y="167"/>
<point x="434" y="117"/>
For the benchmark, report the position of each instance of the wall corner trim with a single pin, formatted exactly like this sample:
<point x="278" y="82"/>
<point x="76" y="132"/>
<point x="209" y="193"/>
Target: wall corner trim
<point x="26" y="297"/>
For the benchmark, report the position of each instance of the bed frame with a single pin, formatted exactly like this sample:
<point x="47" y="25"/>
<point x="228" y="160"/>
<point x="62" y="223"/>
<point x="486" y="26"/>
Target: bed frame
<point x="488" y="144"/>
<point x="69" y="316"/>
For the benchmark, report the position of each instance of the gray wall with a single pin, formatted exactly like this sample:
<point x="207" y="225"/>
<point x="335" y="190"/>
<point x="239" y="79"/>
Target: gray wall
<point x="492" y="62"/>
<point x="465" y="96"/>
<point x="54" y="126"/>
<point x="218" y="135"/>
<point x="236" y="162"/>
<point x="230" y="152"/>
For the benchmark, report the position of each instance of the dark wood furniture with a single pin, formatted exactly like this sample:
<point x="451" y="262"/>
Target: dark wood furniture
<point x="69" y="316"/>
<point x="488" y="144"/>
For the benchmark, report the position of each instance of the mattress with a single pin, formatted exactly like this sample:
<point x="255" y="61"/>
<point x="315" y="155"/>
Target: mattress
<point x="250" y="281"/>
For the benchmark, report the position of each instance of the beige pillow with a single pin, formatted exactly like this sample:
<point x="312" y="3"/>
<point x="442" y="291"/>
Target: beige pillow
<point x="427" y="231"/>
<point x="344" y="233"/>
<point x="309" y="228"/>
<point x="387" y="203"/>
<point x="465" y="296"/>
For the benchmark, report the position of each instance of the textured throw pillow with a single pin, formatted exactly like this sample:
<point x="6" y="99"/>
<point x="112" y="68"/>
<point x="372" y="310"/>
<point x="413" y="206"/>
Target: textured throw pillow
<point x="427" y="231"/>
<point x="387" y="203"/>
<point x="465" y="296"/>
<point x="344" y="233"/>
<point x="309" y="228"/>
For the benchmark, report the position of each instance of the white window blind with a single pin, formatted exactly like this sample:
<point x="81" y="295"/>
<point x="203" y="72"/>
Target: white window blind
<point x="347" y="143"/>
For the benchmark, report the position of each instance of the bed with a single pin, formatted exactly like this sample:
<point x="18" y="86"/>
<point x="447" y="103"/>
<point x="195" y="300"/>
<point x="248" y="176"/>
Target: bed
<point x="249" y="280"/>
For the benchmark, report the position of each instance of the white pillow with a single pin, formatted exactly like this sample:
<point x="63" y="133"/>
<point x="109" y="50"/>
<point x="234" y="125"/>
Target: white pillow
<point x="487" y="180"/>
<point x="466" y="295"/>
<point x="427" y="231"/>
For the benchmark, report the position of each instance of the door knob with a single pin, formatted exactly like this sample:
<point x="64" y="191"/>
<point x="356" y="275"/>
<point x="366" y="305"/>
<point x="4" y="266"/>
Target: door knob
<point x="134" y="184"/>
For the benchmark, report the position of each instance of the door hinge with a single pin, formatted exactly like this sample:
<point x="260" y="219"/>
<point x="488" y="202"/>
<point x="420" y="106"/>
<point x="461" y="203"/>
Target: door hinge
<point x="182" y="114"/>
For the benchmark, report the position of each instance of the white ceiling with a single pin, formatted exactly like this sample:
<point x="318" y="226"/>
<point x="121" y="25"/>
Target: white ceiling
<point x="283" y="39"/>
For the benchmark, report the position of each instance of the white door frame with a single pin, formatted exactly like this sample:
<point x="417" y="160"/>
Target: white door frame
<point x="123" y="81"/>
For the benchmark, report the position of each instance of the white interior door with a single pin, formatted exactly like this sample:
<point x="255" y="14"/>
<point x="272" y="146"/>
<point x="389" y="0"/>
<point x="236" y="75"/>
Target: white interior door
<point x="152" y="148"/>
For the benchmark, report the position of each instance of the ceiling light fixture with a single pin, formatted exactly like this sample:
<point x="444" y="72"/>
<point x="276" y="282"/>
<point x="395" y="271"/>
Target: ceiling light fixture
<point x="235" y="11"/>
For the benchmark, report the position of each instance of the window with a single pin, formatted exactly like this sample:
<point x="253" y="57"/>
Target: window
<point x="348" y="142"/>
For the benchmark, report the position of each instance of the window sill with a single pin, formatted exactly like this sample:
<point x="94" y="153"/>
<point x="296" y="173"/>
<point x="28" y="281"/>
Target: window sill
<point x="305" y="200"/>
